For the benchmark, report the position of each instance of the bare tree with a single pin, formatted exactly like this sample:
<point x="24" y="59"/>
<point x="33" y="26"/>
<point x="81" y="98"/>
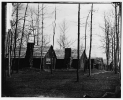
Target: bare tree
<point x="63" y="39"/>
<point x="16" y="28"/>
<point x="116" y="37"/>
<point x="78" y="42"/>
<point x="15" y="22"/>
<point x="120" y="27"/>
<point x="120" y="32"/>
<point x="54" y="27"/>
<point x="86" y="29"/>
<point x="112" y="44"/>
<point x="117" y="32"/>
<point x="11" y="36"/>
<point x="38" y="14"/>
<point x="15" y="37"/>
<point x="115" y="50"/>
<point x="9" y="51"/>
<point x="90" y="41"/>
<point x="8" y="45"/>
<point x="22" y="35"/>
<point x="112" y="37"/>
<point x="41" y="14"/>
<point x="108" y="39"/>
<point x="107" y="30"/>
<point x="41" y="65"/>
<point x="32" y="25"/>
<point x="44" y="37"/>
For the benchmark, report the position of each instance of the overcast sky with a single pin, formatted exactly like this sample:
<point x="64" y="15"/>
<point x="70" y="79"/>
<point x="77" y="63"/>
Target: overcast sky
<point x="69" y="12"/>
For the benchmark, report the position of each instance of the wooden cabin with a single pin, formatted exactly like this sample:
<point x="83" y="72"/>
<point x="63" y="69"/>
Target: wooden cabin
<point x="50" y="59"/>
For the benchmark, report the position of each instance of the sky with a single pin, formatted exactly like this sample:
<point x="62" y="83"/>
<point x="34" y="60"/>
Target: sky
<point x="69" y="12"/>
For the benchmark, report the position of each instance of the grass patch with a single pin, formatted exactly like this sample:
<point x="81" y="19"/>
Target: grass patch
<point x="62" y="83"/>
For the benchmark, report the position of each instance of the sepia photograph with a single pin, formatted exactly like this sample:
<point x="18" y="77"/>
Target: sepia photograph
<point x="61" y="49"/>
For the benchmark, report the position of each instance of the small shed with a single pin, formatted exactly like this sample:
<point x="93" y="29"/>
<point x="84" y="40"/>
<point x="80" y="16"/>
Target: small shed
<point x="83" y="60"/>
<point x="49" y="60"/>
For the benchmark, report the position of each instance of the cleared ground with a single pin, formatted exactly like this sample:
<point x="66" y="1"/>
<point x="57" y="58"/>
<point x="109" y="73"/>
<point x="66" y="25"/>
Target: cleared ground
<point x="62" y="83"/>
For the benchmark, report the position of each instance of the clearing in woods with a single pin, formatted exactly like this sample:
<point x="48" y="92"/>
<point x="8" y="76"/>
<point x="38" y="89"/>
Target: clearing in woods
<point x="62" y="83"/>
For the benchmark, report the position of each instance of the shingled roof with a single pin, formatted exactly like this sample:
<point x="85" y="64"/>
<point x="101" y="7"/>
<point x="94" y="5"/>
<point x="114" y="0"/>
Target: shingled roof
<point x="37" y="52"/>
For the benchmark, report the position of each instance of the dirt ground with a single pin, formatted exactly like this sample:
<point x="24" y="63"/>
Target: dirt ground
<point x="60" y="84"/>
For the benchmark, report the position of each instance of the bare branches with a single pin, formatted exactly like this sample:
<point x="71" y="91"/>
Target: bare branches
<point x="63" y="39"/>
<point x="22" y="32"/>
<point x="110" y="39"/>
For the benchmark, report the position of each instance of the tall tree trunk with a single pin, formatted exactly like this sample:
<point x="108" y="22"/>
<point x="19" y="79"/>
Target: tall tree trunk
<point x="54" y="27"/>
<point x="38" y="26"/>
<point x="120" y="28"/>
<point x="4" y="49"/>
<point x="9" y="53"/>
<point x="114" y="54"/>
<point x="78" y="42"/>
<point x="107" y="48"/>
<point x="22" y="36"/>
<point x="116" y="38"/>
<point x="112" y="49"/>
<point x="15" y="36"/>
<point x="41" y="65"/>
<point x="86" y="29"/>
<point x="107" y="41"/>
<point x="11" y="48"/>
<point x="90" y="41"/>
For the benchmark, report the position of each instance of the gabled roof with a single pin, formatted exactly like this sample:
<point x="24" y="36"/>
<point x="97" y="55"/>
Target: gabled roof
<point x="59" y="53"/>
<point x="51" y="52"/>
<point x="83" y="56"/>
<point x="37" y="52"/>
<point x="74" y="53"/>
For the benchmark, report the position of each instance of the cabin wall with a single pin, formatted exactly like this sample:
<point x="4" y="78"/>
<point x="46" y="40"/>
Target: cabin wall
<point x="37" y="61"/>
<point x="59" y="64"/>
